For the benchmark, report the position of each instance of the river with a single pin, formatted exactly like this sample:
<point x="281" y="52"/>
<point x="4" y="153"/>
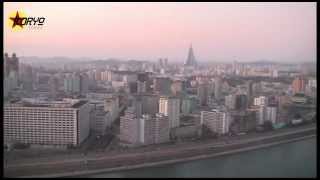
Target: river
<point x="295" y="159"/>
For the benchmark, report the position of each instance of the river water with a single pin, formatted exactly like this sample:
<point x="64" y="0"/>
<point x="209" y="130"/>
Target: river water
<point x="295" y="159"/>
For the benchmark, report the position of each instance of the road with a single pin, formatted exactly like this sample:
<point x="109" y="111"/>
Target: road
<point x="150" y="154"/>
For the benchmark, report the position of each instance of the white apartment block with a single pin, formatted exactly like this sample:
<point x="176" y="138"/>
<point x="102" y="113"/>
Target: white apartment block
<point x="260" y="101"/>
<point x="230" y="101"/>
<point x="170" y="106"/>
<point x="162" y="129"/>
<point x="217" y="121"/>
<point x="57" y="123"/>
<point x="271" y="114"/>
<point x="145" y="130"/>
<point x="153" y="130"/>
<point x="129" y="127"/>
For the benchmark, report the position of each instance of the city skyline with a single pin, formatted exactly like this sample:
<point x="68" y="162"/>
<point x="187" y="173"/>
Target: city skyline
<point x="280" y="32"/>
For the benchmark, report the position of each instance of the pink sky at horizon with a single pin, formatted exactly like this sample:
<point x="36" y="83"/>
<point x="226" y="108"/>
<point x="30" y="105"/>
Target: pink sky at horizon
<point x="147" y="31"/>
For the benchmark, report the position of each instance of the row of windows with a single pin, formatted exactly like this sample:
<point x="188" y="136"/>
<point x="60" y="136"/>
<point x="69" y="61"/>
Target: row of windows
<point x="38" y="132"/>
<point x="42" y="139"/>
<point x="39" y="120"/>
<point x="37" y="117"/>
<point x="37" y="110"/>
<point x="39" y="114"/>
<point x="38" y="127"/>
<point x="52" y="123"/>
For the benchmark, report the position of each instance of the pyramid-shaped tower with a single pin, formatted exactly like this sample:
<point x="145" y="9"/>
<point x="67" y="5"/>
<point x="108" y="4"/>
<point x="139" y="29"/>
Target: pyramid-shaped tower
<point x="191" y="60"/>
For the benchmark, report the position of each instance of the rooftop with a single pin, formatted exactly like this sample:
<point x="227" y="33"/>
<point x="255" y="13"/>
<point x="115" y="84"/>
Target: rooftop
<point x="66" y="103"/>
<point x="79" y="104"/>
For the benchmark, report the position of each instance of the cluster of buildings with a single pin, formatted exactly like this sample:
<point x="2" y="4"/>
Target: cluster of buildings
<point x="154" y="103"/>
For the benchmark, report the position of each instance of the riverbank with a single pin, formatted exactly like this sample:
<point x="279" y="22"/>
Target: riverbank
<point x="79" y="174"/>
<point x="156" y="158"/>
<point x="287" y="160"/>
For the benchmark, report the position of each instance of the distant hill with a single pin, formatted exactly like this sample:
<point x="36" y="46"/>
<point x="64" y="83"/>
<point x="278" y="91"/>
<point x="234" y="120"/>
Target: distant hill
<point x="57" y="59"/>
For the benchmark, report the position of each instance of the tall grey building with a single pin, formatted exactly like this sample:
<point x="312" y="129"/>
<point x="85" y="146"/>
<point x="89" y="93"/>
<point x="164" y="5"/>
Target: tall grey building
<point x="162" y="85"/>
<point x="11" y="72"/>
<point x="217" y="88"/>
<point x="202" y="93"/>
<point x="76" y="83"/>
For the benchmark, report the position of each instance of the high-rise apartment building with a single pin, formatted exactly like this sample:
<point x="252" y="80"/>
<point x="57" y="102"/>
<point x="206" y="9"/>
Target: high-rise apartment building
<point x="216" y="120"/>
<point x="249" y="87"/>
<point x="100" y="120"/>
<point x="11" y="64"/>
<point x="111" y="105"/>
<point x="76" y="83"/>
<point x="54" y="86"/>
<point x="129" y="127"/>
<point x="148" y="129"/>
<point x="260" y="101"/>
<point x="177" y="87"/>
<point x="230" y="101"/>
<point x="170" y="106"/>
<point x="59" y="123"/>
<point x="241" y="102"/>
<point x="162" y="85"/>
<point x="298" y="85"/>
<point x="271" y="114"/>
<point x="11" y="72"/>
<point x="186" y="106"/>
<point x="202" y="93"/>
<point x="217" y="88"/>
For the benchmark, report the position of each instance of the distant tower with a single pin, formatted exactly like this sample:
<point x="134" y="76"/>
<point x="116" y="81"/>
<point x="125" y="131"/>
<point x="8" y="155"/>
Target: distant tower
<point x="6" y="64"/>
<point x="249" y="85"/>
<point x="191" y="60"/>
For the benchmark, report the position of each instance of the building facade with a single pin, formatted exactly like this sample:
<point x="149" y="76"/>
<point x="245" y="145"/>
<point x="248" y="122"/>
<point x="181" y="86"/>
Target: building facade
<point x="271" y="114"/>
<point x="216" y="120"/>
<point x="230" y="101"/>
<point x="100" y="120"/>
<point x="49" y="123"/>
<point x="298" y="85"/>
<point x="146" y="130"/>
<point x="260" y="101"/>
<point x="111" y="105"/>
<point x="170" y="106"/>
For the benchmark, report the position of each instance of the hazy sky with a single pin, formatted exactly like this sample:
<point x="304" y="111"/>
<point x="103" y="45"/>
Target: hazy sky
<point x="218" y="31"/>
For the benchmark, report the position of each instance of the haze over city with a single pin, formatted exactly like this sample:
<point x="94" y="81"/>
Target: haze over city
<point x="280" y="32"/>
<point x="159" y="90"/>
